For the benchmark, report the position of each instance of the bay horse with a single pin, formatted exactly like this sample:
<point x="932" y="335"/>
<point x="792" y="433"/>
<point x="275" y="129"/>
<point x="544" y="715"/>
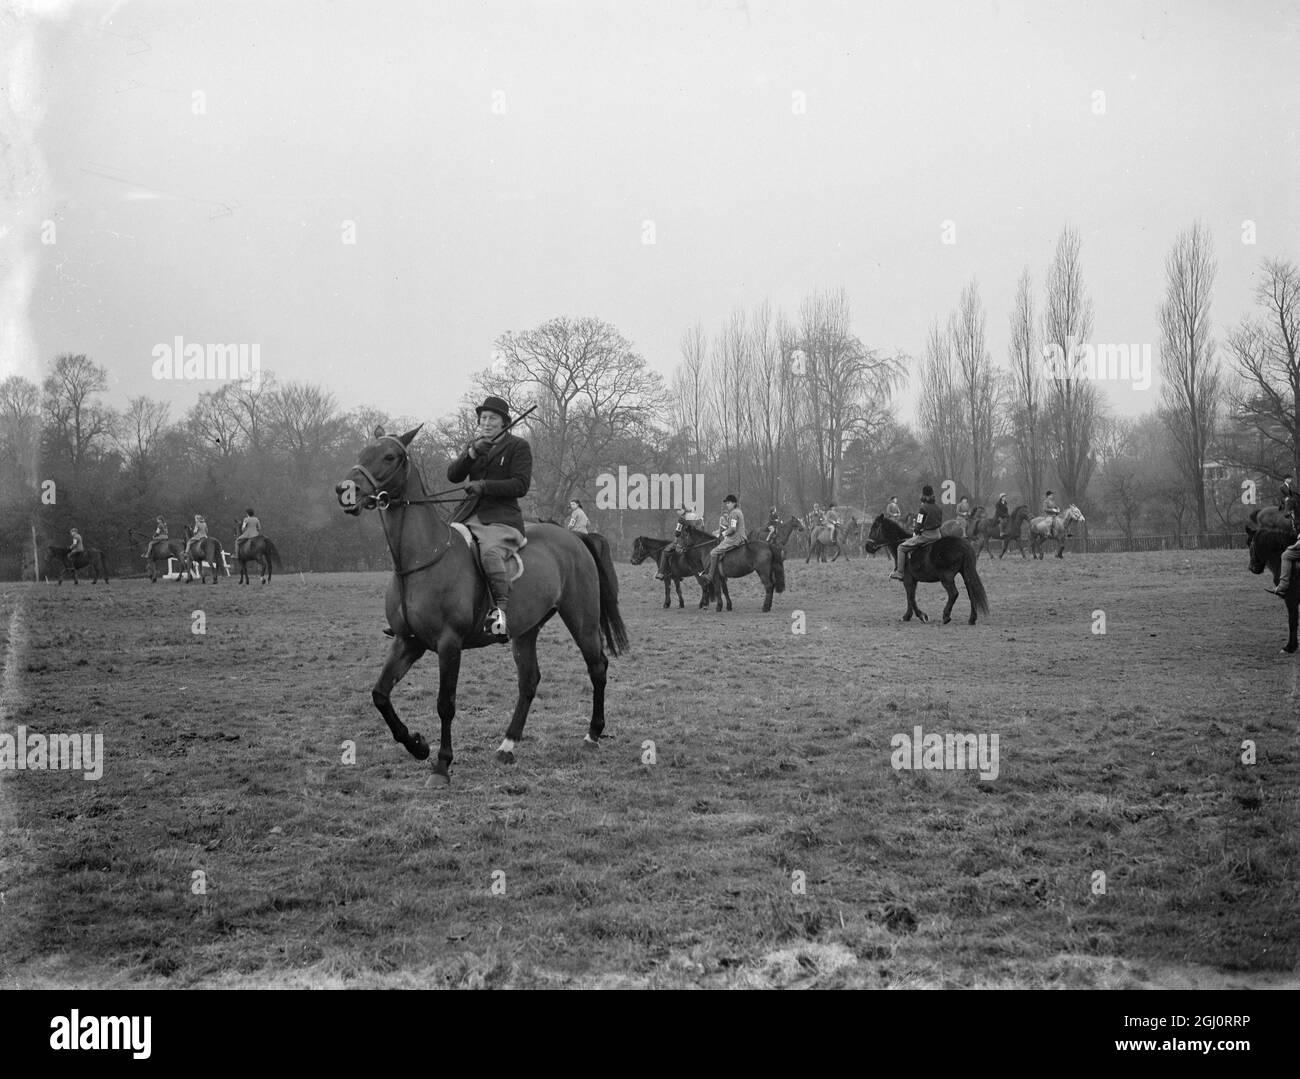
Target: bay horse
<point x="755" y="556"/>
<point x="984" y="528"/>
<point x="91" y="557"/>
<point x="438" y="600"/>
<point x="780" y="534"/>
<point x="1042" y="529"/>
<point x="258" y="549"/>
<point x="679" y="567"/>
<point x="209" y="553"/>
<point x="160" y="550"/>
<point x="940" y="561"/>
<point x="1266" y="547"/>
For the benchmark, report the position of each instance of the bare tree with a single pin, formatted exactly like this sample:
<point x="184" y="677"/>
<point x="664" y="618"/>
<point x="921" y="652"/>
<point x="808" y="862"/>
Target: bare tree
<point x="249" y="403"/>
<point x="1028" y="412"/>
<point x="1267" y="355"/>
<point x="76" y="419"/>
<point x="305" y="421"/>
<point x="767" y="384"/>
<point x="212" y="424"/>
<point x="20" y="428"/>
<point x="1072" y="399"/>
<point x="689" y="391"/>
<point x="140" y="435"/>
<point x="1191" y="383"/>
<point x="942" y="419"/>
<point x="848" y="386"/>
<point x="976" y="386"/>
<point x="592" y="389"/>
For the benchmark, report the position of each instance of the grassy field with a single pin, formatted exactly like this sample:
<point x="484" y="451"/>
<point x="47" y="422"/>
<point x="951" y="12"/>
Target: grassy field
<point x="770" y="843"/>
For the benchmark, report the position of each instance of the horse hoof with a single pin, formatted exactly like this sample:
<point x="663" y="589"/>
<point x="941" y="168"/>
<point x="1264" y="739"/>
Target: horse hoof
<point x="922" y="617"/>
<point x="419" y="748"/>
<point x="590" y="745"/>
<point x="439" y="777"/>
<point x="505" y="756"/>
<point x="946" y="620"/>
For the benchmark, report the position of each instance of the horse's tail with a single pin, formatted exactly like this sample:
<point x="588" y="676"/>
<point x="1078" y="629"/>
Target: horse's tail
<point x="611" y="622"/>
<point x="778" y="567"/>
<point x="273" y="554"/>
<point x="974" y="586"/>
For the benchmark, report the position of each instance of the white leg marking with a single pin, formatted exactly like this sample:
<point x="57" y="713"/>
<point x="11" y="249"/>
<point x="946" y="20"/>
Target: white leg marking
<point x="506" y="746"/>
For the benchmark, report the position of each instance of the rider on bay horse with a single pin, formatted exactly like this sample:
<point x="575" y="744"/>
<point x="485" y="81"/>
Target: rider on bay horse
<point x="1290" y="502"/>
<point x="773" y="523"/>
<point x="500" y="470"/>
<point x="199" y="534"/>
<point x="76" y="547"/>
<point x="1002" y="515"/>
<point x="831" y="520"/>
<point x="686" y="518"/>
<point x="731" y="525"/>
<point x="928" y="520"/>
<point x="159" y="533"/>
<point x="249" y="528"/>
<point x="892" y="511"/>
<point x="1287" y="490"/>
<point x="963" y="515"/>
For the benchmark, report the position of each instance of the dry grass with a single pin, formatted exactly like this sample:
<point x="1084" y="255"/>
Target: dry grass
<point x="1119" y="754"/>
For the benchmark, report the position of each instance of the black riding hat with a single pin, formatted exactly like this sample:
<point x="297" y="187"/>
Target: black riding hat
<point x="494" y="404"/>
<point x="927" y="491"/>
<point x="732" y="499"/>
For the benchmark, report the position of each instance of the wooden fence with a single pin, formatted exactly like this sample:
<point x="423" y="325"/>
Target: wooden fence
<point x="1206" y="541"/>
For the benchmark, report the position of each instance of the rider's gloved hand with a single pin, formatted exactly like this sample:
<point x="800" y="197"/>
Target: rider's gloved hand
<point x="481" y="447"/>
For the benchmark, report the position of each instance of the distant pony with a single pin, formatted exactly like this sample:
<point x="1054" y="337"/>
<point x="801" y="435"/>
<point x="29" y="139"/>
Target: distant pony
<point x="259" y="549"/>
<point x="89" y="557"/>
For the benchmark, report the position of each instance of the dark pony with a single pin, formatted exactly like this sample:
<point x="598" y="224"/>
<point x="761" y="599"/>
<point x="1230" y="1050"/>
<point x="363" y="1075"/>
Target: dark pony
<point x="679" y="567"/>
<point x="986" y="528"/>
<point x="259" y="549"/>
<point x="780" y="534"/>
<point x="1266" y="547"/>
<point x="90" y="557"/>
<point x="940" y="561"/>
<point x="160" y="550"/>
<point x="438" y="600"/>
<point x="209" y="554"/>
<point x="765" y="559"/>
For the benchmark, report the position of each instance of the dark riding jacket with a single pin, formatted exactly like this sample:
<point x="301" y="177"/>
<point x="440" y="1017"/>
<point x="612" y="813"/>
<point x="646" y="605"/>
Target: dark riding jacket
<point x="506" y="473"/>
<point x="931" y="517"/>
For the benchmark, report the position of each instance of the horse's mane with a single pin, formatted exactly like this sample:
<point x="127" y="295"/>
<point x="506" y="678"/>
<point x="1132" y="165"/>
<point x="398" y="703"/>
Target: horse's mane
<point x="1271" y="541"/>
<point x="890" y="523"/>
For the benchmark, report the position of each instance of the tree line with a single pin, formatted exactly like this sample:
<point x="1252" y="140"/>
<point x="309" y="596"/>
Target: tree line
<point x="783" y="408"/>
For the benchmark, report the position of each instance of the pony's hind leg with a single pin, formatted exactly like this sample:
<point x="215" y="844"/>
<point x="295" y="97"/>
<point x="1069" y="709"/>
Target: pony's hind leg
<point x="951" y="589"/>
<point x="585" y="629"/>
<point x="524" y="648"/>
<point x="403" y="652"/>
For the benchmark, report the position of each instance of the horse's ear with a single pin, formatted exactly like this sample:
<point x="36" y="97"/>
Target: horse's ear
<point x="406" y="438"/>
<point x="379" y="431"/>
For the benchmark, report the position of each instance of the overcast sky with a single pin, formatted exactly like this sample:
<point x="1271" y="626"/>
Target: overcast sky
<point x="499" y="162"/>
